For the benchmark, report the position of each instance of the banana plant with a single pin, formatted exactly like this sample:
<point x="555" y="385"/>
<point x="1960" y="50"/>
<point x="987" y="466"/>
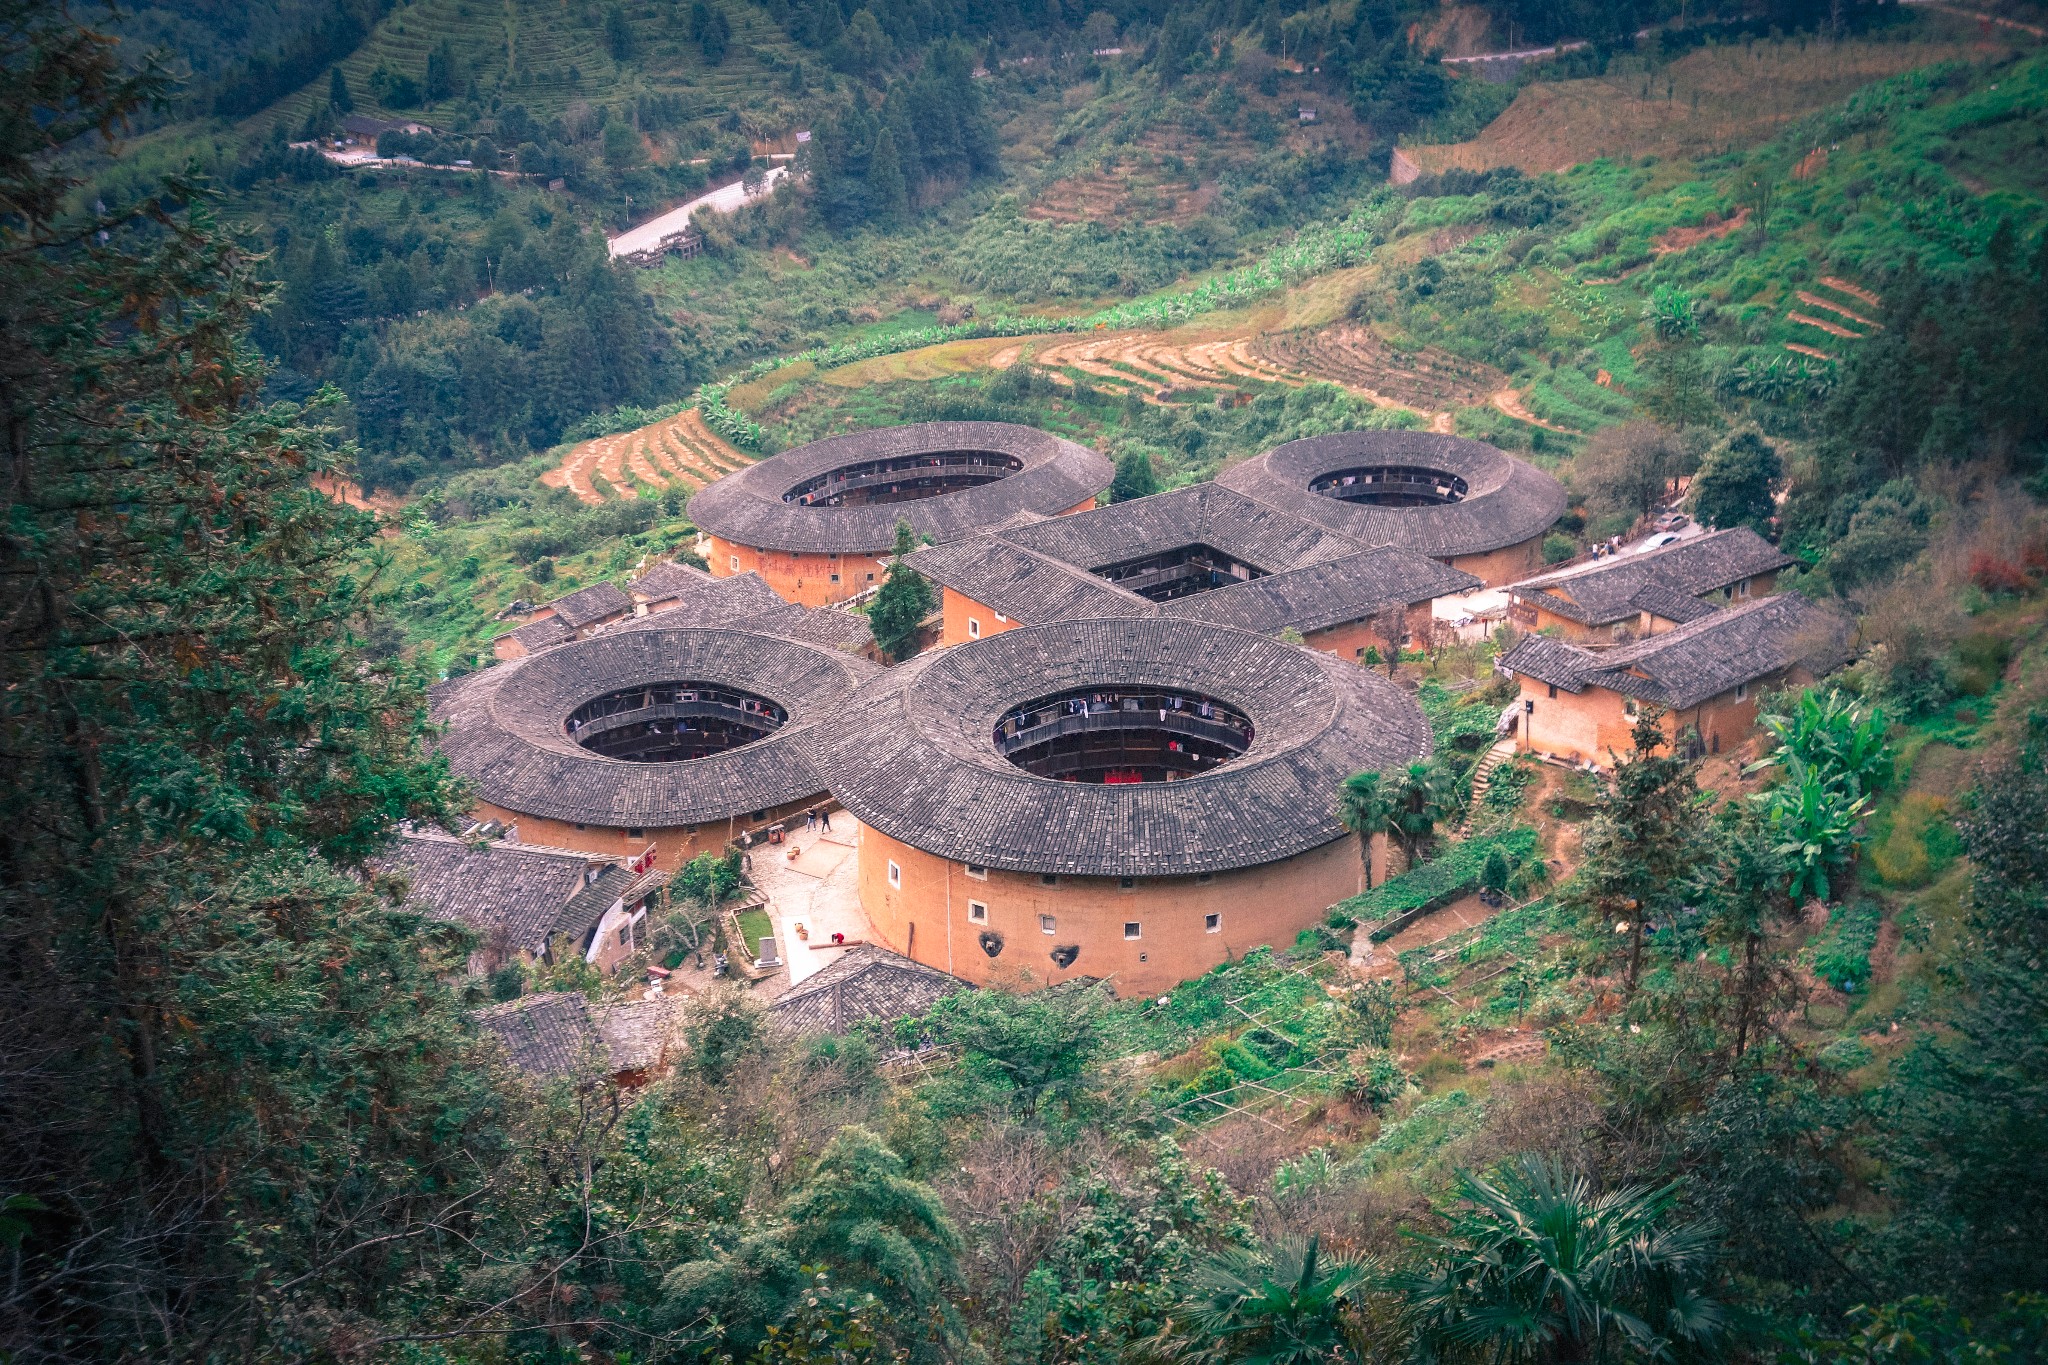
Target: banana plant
<point x="1845" y="743"/>
<point x="1813" y="824"/>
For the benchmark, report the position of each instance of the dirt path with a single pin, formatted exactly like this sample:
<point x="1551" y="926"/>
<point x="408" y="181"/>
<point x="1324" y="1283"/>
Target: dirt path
<point x="1854" y="291"/>
<point x="1833" y="329"/>
<point x="1510" y="402"/>
<point x="1382" y="959"/>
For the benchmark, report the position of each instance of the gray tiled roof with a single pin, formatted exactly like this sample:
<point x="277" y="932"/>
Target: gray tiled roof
<point x="745" y="602"/>
<point x="867" y="982"/>
<point x="668" y="579"/>
<point x="1612" y="590"/>
<point x="545" y="1036"/>
<point x="1693" y="663"/>
<point x="1507" y="501"/>
<point x="1200" y="514"/>
<point x="518" y="890"/>
<point x="746" y="507"/>
<point x="1331" y="593"/>
<point x="1023" y="584"/>
<point x="506" y="726"/>
<point x="916" y="759"/>
<point x="562" y="1034"/>
<point x="571" y="614"/>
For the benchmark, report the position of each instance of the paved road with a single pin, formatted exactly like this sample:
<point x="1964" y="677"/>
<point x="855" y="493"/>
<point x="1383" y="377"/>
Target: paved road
<point x="647" y="236"/>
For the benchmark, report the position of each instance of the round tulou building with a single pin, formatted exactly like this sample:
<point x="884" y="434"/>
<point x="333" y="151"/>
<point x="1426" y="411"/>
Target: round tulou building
<point x="674" y="738"/>
<point x="818" y="522"/>
<point x="1129" y="798"/>
<point x="1461" y="502"/>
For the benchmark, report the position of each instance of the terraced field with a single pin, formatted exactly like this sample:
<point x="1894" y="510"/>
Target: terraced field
<point x="545" y="55"/>
<point x="1428" y="379"/>
<point x="678" y="452"/>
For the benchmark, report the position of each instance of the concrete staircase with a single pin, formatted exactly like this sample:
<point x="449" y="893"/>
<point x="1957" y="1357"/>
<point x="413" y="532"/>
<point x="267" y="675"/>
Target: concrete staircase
<point x="1502" y="751"/>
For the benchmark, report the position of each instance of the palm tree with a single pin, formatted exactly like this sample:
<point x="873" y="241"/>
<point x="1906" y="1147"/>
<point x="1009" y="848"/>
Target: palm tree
<point x="1541" y="1270"/>
<point x="1365" y="806"/>
<point x="1290" y="1305"/>
<point x="1422" y="797"/>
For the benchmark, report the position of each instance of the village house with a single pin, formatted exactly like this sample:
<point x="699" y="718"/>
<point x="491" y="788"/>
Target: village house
<point x="526" y="902"/>
<point x="1625" y="597"/>
<point x="1579" y="705"/>
<point x="561" y="1035"/>
<point x="866" y="982"/>
<point x="574" y="617"/>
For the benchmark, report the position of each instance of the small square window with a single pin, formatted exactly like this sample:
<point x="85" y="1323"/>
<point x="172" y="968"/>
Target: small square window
<point x="626" y="937"/>
<point x="1131" y="929"/>
<point x="1742" y="588"/>
<point x="1046" y="925"/>
<point x="977" y="913"/>
<point x="1212" y="924"/>
<point x="1741" y="691"/>
<point x="979" y="874"/>
<point x="1048" y="879"/>
<point x="895" y="874"/>
<point x="1000" y="618"/>
<point x="1204" y="878"/>
<point x="580" y="825"/>
<point x="734" y="560"/>
<point x="1126" y="883"/>
<point x="1553" y="690"/>
<point x="871" y="578"/>
<point x="636" y="834"/>
<point x="973" y="629"/>
<point x="1628" y="707"/>
<point x="835" y="578"/>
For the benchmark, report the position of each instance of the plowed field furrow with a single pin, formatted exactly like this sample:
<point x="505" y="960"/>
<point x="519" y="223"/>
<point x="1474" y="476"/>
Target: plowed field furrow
<point x="642" y="467"/>
<point x="672" y="460"/>
<point x="611" y="461"/>
<point x="1854" y="291"/>
<point x="1814" y="351"/>
<point x="690" y="460"/>
<point x="1808" y="296"/>
<point x="1833" y="329"/>
<point x="1427" y="380"/>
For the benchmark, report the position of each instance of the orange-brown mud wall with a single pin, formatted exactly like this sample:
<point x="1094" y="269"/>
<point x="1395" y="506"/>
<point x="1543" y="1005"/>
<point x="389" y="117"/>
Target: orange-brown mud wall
<point x="1594" y="725"/>
<point x="926" y="917"/>
<point x="674" y="846"/>
<point x="1505" y="565"/>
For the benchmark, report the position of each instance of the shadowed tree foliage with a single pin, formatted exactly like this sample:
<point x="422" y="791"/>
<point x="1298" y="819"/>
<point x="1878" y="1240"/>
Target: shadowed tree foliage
<point x="902" y="603"/>
<point x="235" y="1085"/>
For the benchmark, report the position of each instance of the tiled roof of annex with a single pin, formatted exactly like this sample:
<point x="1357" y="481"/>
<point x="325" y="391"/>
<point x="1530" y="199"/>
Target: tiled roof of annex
<point x="526" y="892"/>
<point x="1698" y="661"/>
<point x="1506" y="501"/>
<point x="916" y="757"/>
<point x="1615" y="589"/>
<point x="507" y="731"/>
<point x="1310" y="578"/>
<point x="867" y="982"/>
<point x="748" y="507"/>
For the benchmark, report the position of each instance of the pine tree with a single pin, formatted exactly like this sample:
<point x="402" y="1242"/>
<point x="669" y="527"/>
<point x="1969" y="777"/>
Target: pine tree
<point x="902" y="604"/>
<point x="229" y="1057"/>
<point x="888" y="194"/>
<point x="1135" y="477"/>
<point x="337" y="91"/>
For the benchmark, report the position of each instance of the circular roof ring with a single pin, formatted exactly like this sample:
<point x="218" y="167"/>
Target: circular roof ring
<point x="922" y="755"/>
<point x="1422" y="491"/>
<point x="648" y="726"/>
<point x="845" y="494"/>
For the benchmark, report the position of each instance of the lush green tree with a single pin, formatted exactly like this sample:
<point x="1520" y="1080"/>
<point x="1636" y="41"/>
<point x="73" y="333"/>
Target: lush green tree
<point x="1735" y="483"/>
<point x="1646" y="840"/>
<point x="1628" y="468"/>
<point x="1965" y="1113"/>
<point x="710" y="30"/>
<point x="1291" y="1303"/>
<point x="440" y="76"/>
<point x="337" y="92"/>
<point x="1836" y="736"/>
<point x="904" y="600"/>
<point x="1928" y="1330"/>
<point x="888" y="191"/>
<point x="1135" y="477"/>
<point x="1031" y="1052"/>
<point x="1423" y="798"/>
<point x="618" y="34"/>
<point x="1814" y="822"/>
<point x="235" y="1066"/>
<point x="1538" y="1267"/>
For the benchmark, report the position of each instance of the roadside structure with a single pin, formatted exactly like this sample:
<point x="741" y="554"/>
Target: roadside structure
<point x="1627" y="596"/>
<point x="1202" y="552"/>
<point x="1462" y="502"/>
<point x="1579" y="705"/>
<point x="818" y="523"/>
<point x="1129" y="798"/>
<point x="527" y="903"/>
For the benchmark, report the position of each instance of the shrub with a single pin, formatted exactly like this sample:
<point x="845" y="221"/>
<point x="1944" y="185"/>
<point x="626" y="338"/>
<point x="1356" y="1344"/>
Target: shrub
<point x="1373" y="1078"/>
<point x="1841" y="957"/>
<point x="1557" y="549"/>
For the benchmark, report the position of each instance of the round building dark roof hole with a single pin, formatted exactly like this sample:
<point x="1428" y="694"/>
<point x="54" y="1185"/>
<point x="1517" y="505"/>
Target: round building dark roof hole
<point x="672" y="722"/>
<point x="1391" y="486"/>
<point x="903" y="478"/>
<point x="1123" y="734"/>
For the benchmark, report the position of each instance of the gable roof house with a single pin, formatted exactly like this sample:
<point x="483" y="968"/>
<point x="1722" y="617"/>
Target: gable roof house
<point x="566" y="618"/>
<point x="867" y="982"/>
<point x="1627" y="596"/>
<point x="527" y="902"/>
<point x="1580" y="704"/>
<point x="561" y="1034"/>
